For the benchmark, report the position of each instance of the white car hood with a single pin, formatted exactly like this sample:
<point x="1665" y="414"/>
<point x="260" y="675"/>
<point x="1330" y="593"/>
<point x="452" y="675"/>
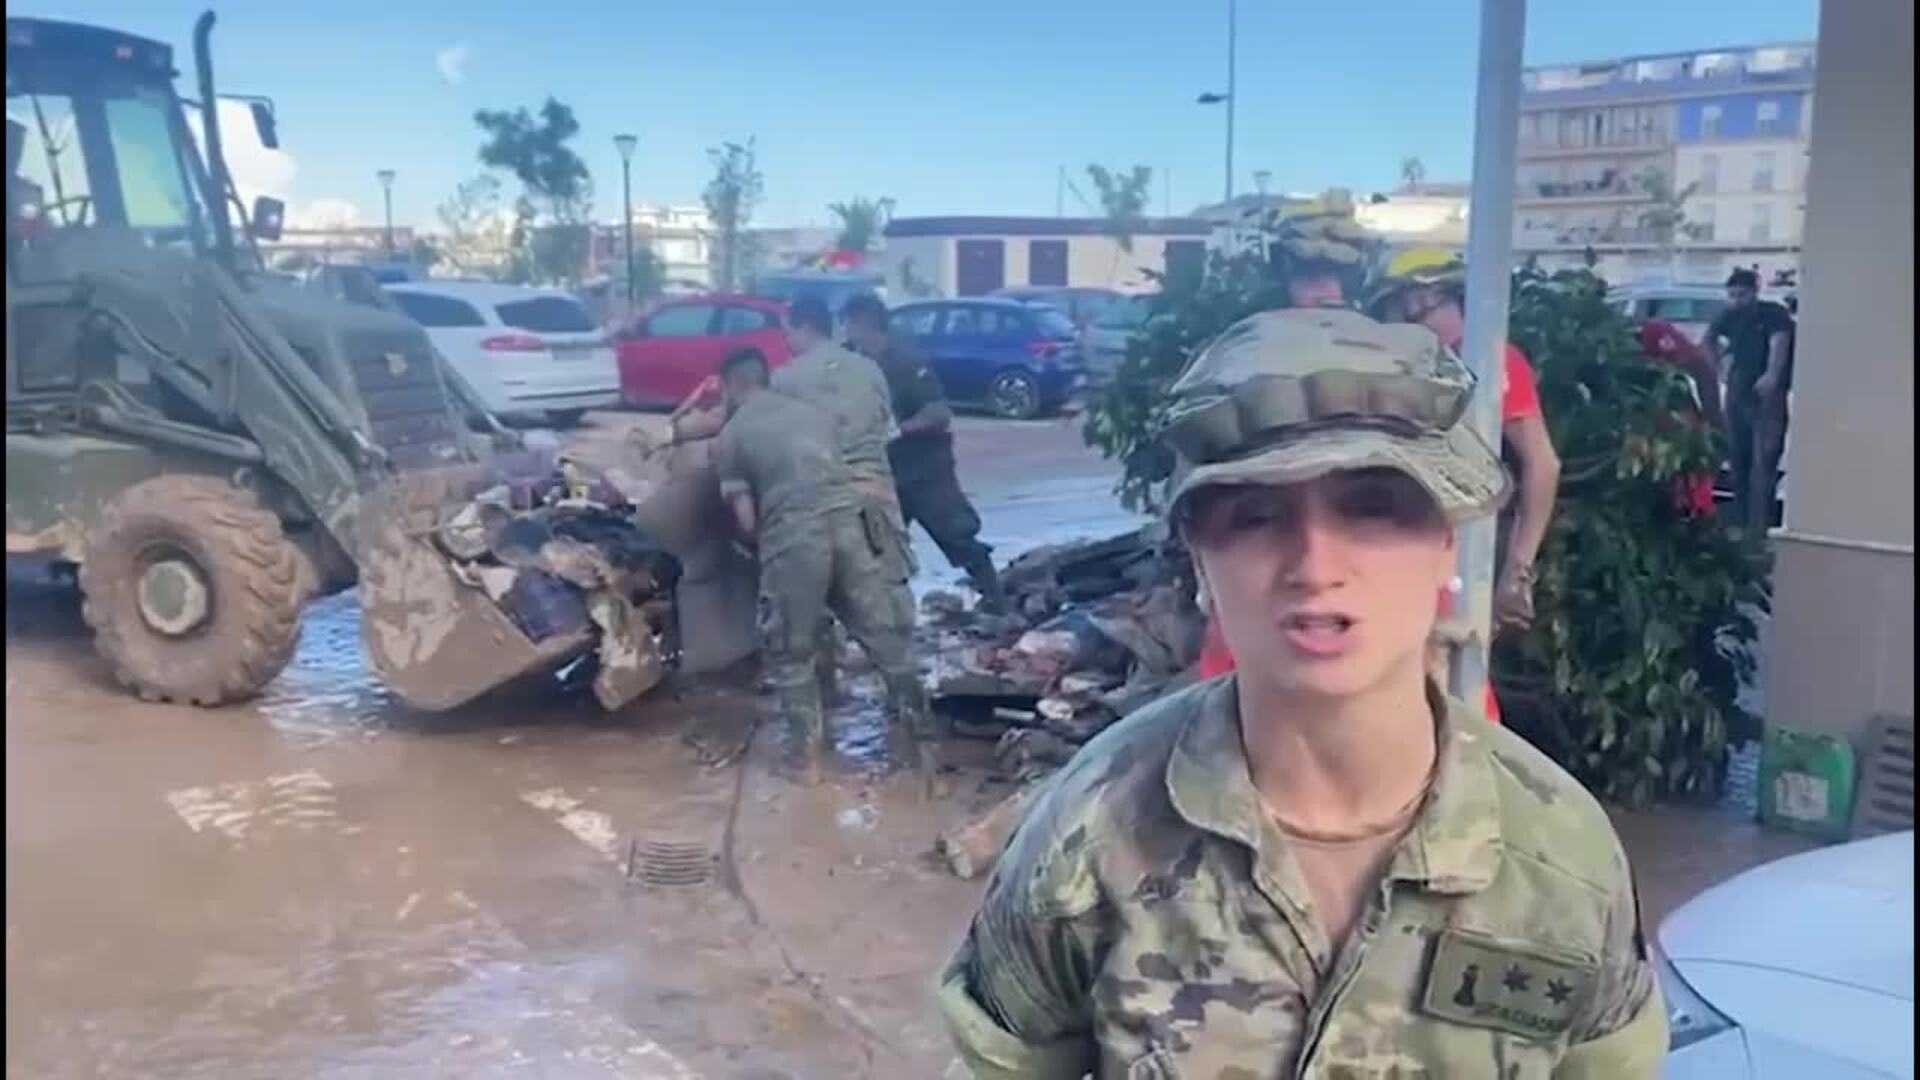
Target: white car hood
<point x="1840" y="915"/>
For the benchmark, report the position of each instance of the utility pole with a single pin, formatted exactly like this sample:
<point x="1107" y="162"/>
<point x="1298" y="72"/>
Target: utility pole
<point x="386" y="187"/>
<point x="1496" y="126"/>
<point x="1233" y="98"/>
<point x="1060" y="192"/>
<point x="1227" y="98"/>
<point x="625" y="144"/>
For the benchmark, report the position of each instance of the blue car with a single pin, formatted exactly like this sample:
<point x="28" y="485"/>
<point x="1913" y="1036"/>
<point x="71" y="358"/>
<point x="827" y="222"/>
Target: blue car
<point x="1016" y="360"/>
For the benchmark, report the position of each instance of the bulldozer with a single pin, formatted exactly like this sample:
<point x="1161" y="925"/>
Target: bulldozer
<point x="212" y="446"/>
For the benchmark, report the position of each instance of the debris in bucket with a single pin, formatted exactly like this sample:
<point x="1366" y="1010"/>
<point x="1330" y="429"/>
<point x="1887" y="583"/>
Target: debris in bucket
<point x="560" y="554"/>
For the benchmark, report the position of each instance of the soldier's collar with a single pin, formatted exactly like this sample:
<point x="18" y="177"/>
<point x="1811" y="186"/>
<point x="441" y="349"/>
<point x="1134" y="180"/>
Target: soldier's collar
<point x="1454" y="844"/>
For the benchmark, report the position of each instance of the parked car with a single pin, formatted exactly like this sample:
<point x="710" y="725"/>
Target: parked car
<point x="1017" y="360"/>
<point x="1690" y="308"/>
<point x="1799" y="968"/>
<point x="524" y="350"/>
<point x="666" y="352"/>
<point x="1106" y="340"/>
<point x="1082" y="304"/>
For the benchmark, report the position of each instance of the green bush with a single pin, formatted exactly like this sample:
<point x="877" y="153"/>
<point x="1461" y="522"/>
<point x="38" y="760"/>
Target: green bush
<point x="1645" y="601"/>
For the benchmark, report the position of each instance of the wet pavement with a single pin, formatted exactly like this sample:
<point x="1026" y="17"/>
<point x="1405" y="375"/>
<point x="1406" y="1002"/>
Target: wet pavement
<point x="322" y="884"/>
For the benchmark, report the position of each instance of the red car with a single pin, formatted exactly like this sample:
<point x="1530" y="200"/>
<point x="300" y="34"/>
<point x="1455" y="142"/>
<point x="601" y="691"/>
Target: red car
<point x="667" y="352"/>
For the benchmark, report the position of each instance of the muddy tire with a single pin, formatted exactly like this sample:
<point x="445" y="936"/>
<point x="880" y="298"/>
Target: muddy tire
<point x="192" y="591"/>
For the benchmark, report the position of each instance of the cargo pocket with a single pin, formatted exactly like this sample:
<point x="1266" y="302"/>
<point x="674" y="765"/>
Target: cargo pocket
<point x="887" y="543"/>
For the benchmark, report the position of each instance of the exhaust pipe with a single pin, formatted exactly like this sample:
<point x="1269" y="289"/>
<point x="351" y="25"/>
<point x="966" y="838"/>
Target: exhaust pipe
<point x="210" y="131"/>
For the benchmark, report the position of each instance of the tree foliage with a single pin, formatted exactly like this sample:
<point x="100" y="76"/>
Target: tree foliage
<point x="477" y="234"/>
<point x="1123" y="200"/>
<point x="730" y="198"/>
<point x="861" y="220"/>
<point x="1666" y="219"/>
<point x="550" y="235"/>
<point x="1646" y="600"/>
<point x="1413" y="173"/>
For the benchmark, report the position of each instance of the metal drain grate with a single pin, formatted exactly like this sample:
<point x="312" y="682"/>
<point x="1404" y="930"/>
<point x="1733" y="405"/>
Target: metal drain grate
<point x="669" y="862"/>
<point x="1886" y="784"/>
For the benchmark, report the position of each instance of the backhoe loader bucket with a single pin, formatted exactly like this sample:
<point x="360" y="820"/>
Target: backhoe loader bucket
<point x="438" y="641"/>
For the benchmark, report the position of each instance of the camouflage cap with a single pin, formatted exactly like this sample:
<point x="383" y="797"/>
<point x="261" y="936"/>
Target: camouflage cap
<point x="1286" y="396"/>
<point x="1324" y="230"/>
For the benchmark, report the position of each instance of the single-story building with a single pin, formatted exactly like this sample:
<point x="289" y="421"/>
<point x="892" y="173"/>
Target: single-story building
<point x="972" y="256"/>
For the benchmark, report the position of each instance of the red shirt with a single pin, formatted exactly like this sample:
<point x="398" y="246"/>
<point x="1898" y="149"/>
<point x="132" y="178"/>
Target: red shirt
<point x="1520" y="397"/>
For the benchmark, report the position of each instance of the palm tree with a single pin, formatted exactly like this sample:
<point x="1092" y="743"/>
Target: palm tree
<point x="1413" y="173"/>
<point x="861" y="219"/>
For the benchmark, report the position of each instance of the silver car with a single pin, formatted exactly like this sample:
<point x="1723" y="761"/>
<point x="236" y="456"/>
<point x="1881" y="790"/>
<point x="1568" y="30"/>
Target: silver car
<point x="1105" y="342"/>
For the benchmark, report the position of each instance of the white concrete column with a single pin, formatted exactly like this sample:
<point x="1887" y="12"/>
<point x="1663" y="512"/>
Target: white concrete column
<point x="1842" y="641"/>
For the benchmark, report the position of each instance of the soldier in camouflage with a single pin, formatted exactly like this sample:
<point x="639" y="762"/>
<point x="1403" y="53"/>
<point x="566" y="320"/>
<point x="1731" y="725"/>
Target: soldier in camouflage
<point x="1321" y="252"/>
<point x="1317" y="866"/>
<point x="821" y="550"/>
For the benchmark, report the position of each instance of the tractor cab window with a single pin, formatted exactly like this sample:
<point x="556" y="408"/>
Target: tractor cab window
<point x="51" y="161"/>
<point x="117" y="156"/>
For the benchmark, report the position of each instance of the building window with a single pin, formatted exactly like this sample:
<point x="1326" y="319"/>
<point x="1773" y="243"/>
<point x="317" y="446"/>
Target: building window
<point x="1762" y="227"/>
<point x="1709" y="173"/>
<point x="1701" y="227"/>
<point x="1766" y="118"/>
<point x="1710" y="122"/>
<point x="1763" y="171"/>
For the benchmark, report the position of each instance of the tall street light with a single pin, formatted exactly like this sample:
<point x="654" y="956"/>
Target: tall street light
<point x="386" y="186"/>
<point x="1228" y="98"/>
<point x="625" y="144"/>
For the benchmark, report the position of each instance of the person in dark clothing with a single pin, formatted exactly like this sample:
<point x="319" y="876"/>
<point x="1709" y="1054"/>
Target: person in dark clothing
<point x="922" y="454"/>
<point x="1758" y="360"/>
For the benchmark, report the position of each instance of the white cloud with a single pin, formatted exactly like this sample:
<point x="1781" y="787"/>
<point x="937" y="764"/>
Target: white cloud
<point x="256" y="170"/>
<point x="325" y="213"/>
<point x="452" y="62"/>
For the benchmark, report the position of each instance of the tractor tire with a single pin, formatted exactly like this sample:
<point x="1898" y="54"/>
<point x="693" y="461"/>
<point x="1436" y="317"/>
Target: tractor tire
<point x="192" y="591"/>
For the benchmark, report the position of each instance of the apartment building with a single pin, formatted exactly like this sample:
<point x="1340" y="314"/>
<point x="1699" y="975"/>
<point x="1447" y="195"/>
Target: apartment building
<point x="1680" y="165"/>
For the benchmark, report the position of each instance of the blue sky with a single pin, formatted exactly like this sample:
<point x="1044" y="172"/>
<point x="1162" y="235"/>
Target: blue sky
<point x="947" y="107"/>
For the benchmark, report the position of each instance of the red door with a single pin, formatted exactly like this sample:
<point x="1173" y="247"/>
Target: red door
<point x="668" y="354"/>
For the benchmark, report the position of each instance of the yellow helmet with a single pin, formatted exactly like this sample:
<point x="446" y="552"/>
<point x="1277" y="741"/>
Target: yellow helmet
<point x="1423" y="265"/>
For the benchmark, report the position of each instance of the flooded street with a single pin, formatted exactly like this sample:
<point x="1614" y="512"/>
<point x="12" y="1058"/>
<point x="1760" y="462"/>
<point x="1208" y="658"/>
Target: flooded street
<point x="323" y="884"/>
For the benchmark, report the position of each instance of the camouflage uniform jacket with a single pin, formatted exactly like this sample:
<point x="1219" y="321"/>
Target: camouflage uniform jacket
<point x="782" y="453"/>
<point x="850" y="389"/>
<point x="1149" y="921"/>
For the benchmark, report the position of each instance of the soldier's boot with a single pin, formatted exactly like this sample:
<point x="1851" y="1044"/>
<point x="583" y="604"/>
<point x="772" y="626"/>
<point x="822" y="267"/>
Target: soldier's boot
<point x="986" y="581"/>
<point x="806" y="729"/>
<point x="907" y="697"/>
<point x="826" y="664"/>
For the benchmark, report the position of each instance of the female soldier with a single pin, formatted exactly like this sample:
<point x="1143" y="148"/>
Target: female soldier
<point x="1317" y="866"/>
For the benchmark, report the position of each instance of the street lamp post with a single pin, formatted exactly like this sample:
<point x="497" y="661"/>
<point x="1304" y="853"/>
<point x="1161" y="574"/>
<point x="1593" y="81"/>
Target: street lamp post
<point x="1229" y="98"/>
<point x="625" y="144"/>
<point x="386" y="187"/>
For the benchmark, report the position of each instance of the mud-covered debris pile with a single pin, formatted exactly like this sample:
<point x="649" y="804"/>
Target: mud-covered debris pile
<point x="1101" y="628"/>
<point x="559" y="553"/>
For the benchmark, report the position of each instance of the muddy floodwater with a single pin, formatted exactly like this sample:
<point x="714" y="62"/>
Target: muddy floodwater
<point x="322" y="884"/>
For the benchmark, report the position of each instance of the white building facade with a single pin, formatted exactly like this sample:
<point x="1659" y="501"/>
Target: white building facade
<point x="1608" y="150"/>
